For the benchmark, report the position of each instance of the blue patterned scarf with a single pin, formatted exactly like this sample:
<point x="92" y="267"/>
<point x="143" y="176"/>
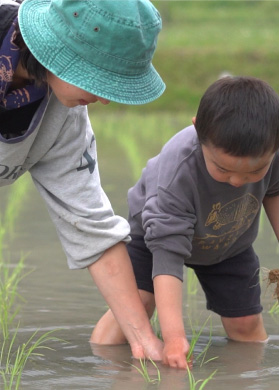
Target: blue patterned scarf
<point x="9" y="59"/>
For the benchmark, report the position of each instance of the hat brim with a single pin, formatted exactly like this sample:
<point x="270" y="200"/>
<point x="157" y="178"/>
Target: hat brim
<point x="64" y="63"/>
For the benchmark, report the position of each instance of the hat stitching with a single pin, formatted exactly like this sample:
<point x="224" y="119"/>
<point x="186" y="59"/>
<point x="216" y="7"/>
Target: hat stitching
<point x="127" y="22"/>
<point x="106" y="55"/>
<point x="63" y="45"/>
<point x="79" y="37"/>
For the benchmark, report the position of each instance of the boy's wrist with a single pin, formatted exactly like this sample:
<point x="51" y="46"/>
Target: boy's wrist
<point x="172" y="338"/>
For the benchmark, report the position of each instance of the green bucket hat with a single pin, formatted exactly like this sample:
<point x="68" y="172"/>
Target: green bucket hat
<point x="102" y="46"/>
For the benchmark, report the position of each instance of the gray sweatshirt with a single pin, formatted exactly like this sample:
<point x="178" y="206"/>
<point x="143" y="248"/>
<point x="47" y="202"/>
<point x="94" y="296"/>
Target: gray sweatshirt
<point x="59" y="151"/>
<point x="186" y="216"/>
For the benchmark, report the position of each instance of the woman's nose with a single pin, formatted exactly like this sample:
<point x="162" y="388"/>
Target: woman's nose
<point x="103" y="101"/>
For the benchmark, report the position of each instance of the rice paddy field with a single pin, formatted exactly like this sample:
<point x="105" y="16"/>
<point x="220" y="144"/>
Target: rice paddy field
<point x="48" y="312"/>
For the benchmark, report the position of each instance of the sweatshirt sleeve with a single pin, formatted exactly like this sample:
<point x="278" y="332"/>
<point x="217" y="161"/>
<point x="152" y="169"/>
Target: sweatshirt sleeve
<point x="67" y="177"/>
<point x="168" y="216"/>
<point x="273" y="188"/>
<point x="169" y="231"/>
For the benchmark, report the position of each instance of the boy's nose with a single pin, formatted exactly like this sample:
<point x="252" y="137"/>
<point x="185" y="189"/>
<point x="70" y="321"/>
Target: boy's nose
<point x="236" y="181"/>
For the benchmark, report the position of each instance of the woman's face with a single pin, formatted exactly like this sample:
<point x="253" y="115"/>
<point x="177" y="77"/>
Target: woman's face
<point x="70" y="95"/>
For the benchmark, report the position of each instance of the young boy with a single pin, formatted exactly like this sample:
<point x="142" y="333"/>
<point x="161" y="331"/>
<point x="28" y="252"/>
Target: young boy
<point x="198" y="204"/>
<point x="56" y="57"/>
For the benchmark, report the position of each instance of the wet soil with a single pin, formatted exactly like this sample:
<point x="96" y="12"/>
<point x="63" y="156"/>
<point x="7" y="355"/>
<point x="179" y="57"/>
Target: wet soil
<point x="273" y="277"/>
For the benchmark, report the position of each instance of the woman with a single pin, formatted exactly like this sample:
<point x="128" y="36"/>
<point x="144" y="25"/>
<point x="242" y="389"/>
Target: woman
<point x="56" y="57"/>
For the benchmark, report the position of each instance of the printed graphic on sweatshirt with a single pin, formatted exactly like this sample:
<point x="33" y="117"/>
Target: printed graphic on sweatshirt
<point x="10" y="173"/>
<point x="227" y="222"/>
<point x="87" y="162"/>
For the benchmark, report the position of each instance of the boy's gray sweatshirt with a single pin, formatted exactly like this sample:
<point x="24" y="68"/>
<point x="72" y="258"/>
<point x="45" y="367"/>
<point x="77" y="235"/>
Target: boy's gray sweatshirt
<point x="59" y="151"/>
<point x="188" y="217"/>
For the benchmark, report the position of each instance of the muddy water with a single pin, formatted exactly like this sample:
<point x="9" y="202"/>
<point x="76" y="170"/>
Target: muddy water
<point x="68" y="301"/>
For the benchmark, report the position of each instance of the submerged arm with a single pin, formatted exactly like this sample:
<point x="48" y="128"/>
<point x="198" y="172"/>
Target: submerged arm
<point x="113" y="275"/>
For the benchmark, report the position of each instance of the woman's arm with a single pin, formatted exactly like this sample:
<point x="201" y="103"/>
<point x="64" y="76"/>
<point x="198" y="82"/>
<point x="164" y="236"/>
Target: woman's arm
<point x="113" y="275"/>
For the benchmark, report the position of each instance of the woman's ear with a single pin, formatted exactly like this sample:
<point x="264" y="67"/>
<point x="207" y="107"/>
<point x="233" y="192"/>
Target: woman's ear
<point x="194" y="120"/>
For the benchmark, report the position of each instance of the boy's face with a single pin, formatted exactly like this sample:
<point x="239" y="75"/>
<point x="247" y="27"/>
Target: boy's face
<point x="233" y="170"/>
<point x="70" y="95"/>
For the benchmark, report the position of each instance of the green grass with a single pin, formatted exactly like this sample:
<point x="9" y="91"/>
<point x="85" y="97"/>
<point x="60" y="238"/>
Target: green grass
<point x="201" y="39"/>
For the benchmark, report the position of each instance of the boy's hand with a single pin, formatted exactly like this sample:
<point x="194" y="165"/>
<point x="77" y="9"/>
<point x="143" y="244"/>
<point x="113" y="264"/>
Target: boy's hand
<point x="168" y="296"/>
<point x="175" y="352"/>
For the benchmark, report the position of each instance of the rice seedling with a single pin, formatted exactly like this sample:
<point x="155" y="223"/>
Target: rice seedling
<point x="200" y="383"/>
<point x="272" y="277"/>
<point x="192" y="282"/>
<point x="155" y="325"/>
<point x="14" y="358"/>
<point x="10" y="275"/>
<point x="195" y="337"/>
<point x="274" y="310"/>
<point x="10" y="278"/>
<point x="17" y="194"/>
<point x="143" y="370"/>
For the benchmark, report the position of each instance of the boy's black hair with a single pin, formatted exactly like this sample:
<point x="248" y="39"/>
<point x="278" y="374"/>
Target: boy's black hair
<point x="28" y="61"/>
<point x="239" y="115"/>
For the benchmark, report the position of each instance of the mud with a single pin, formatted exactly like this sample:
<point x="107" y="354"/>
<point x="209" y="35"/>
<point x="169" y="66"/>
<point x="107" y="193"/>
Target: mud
<point x="273" y="277"/>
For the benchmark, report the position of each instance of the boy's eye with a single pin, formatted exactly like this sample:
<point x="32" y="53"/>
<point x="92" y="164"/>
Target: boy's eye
<point x="222" y="170"/>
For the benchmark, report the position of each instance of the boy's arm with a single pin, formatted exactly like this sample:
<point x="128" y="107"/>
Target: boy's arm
<point x="271" y="205"/>
<point x="113" y="275"/>
<point x="168" y="297"/>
